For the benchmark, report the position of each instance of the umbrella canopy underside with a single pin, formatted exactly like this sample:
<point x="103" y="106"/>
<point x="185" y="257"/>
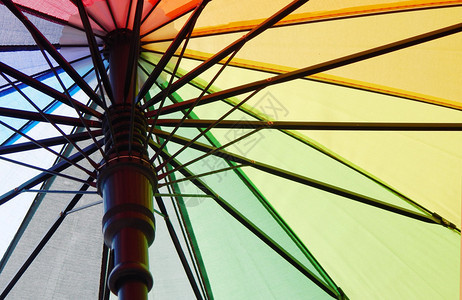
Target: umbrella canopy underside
<point x="302" y="150"/>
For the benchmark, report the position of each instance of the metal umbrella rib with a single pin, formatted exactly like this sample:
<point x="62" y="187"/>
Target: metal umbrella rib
<point x="293" y="125"/>
<point x="59" y="140"/>
<point x="63" y="120"/>
<point x="95" y="53"/>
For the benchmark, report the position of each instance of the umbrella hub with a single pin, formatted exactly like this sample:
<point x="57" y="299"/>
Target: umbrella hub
<point x="125" y="131"/>
<point x="126" y="182"/>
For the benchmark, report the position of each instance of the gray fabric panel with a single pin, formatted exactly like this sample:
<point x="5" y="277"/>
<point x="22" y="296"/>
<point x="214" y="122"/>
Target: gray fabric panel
<point x="13" y="32"/>
<point x="69" y="265"/>
<point x="170" y="280"/>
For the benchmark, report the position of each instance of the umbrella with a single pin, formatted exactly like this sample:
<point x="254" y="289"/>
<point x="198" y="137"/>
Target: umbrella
<point x="286" y="150"/>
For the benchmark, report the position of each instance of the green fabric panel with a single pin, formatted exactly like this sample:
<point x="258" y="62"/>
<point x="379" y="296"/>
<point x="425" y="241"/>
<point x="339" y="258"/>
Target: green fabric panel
<point x="229" y="186"/>
<point x="239" y="265"/>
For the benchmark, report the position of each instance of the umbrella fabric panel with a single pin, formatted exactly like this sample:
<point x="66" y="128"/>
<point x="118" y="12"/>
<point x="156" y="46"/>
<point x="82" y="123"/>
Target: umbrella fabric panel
<point x="44" y="102"/>
<point x="430" y="175"/>
<point x="369" y="252"/>
<point x="358" y="223"/>
<point x="243" y="16"/>
<point x="107" y="16"/>
<point x="69" y="265"/>
<point x="31" y="62"/>
<point x="14" y="32"/>
<point x="28" y="62"/>
<point x="231" y="188"/>
<point x="63" y="12"/>
<point x="15" y="39"/>
<point x="266" y="274"/>
<point x="170" y="281"/>
<point x="167" y="11"/>
<point x="333" y="39"/>
<point x="62" y="9"/>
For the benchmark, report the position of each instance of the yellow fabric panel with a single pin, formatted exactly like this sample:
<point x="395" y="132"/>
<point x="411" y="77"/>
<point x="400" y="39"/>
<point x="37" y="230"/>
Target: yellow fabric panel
<point x="259" y="9"/>
<point x="425" y="69"/>
<point x="315" y="16"/>
<point x="391" y="265"/>
<point x="327" y="78"/>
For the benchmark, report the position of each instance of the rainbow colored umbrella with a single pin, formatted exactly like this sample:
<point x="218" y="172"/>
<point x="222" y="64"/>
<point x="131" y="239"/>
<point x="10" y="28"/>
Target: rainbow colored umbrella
<point x="230" y="149"/>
